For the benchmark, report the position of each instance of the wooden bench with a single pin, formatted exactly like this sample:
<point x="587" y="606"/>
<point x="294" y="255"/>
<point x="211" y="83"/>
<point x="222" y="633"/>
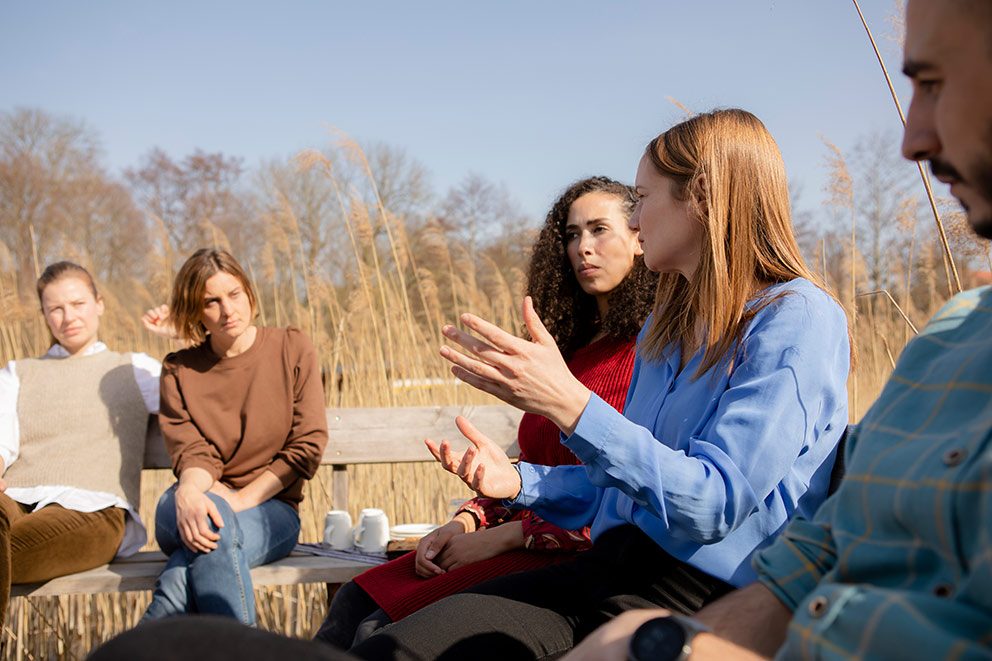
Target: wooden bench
<point x="357" y="436"/>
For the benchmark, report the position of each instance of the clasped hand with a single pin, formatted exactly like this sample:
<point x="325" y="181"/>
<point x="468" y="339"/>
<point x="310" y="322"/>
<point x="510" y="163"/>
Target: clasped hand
<point x="194" y="513"/>
<point x="459" y="543"/>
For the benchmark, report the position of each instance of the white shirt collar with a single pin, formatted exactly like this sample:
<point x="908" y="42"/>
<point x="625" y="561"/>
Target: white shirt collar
<point x="59" y="351"/>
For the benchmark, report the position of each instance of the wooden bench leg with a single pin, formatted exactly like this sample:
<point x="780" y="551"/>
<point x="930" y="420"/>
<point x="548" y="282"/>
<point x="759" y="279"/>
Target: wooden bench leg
<point x="339" y="486"/>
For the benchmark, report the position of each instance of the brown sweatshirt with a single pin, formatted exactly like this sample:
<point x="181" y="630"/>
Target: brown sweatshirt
<point x="236" y="417"/>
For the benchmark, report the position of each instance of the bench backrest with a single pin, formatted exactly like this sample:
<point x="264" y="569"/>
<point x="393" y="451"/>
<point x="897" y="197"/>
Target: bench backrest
<point x="387" y="435"/>
<point x="396" y="435"/>
<point x="384" y="435"/>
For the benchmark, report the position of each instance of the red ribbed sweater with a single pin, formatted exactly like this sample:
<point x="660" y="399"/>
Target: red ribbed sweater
<point x="605" y="367"/>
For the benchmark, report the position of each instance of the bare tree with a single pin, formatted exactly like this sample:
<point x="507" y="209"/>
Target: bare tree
<point x="198" y="200"/>
<point x="883" y="182"/>
<point x="480" y="212"/>
<point x="403" y="182"/>
<point x="304" y="198"/>
<point x="56" y="200"/>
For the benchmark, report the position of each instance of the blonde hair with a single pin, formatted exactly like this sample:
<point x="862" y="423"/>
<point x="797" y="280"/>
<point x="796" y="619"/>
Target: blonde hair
<point x="186" y="306"/>
<point x="729" y="160"/>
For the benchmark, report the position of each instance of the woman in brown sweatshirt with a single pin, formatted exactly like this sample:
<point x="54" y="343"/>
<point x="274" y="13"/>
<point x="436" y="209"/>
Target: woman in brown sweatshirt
<point x="243" y="418"/>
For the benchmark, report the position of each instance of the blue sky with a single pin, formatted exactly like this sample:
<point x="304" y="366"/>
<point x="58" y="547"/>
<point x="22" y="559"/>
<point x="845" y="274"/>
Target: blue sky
<point x="533" y="94"/>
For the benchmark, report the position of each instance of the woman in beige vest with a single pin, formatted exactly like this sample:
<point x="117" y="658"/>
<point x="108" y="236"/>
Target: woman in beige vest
<point x="79" y="405"/>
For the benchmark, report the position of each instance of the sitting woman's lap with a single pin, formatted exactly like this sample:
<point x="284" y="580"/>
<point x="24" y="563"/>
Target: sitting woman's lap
<point x="264" y="533"/>
<point x="219" y="582"/>
<point x="544" y="612"/>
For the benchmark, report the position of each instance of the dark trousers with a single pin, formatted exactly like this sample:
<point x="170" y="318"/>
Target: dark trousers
<point x="351" y="618"/>
<point x="209" y="638"/>
<point x="542" y="614"/>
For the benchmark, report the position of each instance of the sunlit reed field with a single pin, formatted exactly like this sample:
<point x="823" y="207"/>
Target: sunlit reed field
<point x="371" y="336"/>
<point x="376" y="323"/>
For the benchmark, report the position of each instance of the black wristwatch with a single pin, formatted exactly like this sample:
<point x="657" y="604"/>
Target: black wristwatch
<point x="664" y="639"/>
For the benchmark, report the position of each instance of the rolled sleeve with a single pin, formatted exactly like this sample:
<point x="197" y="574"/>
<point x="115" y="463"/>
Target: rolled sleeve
<point x="794" y="564"/>
<point x="9" y="429"/>
<point x="148" y="375"/>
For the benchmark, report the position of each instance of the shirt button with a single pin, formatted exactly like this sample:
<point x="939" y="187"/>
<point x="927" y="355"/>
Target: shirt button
<point x="954" y="457"/>
<point x="943" y="590"/>
<point x="818" y="606"/>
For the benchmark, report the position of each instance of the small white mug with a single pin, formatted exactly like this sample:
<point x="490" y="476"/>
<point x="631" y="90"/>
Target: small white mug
<point x="337" y="530"/>
<point x="372" y="531"/>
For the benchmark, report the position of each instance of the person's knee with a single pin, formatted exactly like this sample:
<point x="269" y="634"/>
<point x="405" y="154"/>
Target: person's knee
<point x="166" y="528"/>
<point x="230" y="532"/>
<point x="349" y="607"/>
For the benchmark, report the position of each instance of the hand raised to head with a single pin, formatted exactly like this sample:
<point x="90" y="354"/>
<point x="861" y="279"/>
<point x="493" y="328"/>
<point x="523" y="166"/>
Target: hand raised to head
<point x="157" y="321"/>
<point x="531" y="375"/>
<point x="484" y="467"/>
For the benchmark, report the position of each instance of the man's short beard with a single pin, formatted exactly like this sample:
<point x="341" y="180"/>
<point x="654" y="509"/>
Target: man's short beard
<point x="983" y="182"/>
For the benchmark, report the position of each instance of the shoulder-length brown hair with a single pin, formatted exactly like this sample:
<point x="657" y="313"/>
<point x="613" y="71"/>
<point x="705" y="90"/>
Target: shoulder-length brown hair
<point x="727" y="166"/>
<point x="186" y="306"/>
<point x="570" y="314"/>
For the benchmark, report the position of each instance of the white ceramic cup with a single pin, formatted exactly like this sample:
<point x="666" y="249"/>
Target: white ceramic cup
<point x="337" y="530"/>
<point x="372" y="531"/>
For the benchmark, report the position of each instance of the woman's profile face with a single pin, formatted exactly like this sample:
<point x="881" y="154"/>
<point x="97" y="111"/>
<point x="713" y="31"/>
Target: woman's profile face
<point x="227" y="309"/>
<point x="670" y="235"/>
<point x="72" y="313"/>
<point x="600" y="245"/>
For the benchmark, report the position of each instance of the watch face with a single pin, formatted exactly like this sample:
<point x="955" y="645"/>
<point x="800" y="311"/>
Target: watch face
<point x="661" y="639"/>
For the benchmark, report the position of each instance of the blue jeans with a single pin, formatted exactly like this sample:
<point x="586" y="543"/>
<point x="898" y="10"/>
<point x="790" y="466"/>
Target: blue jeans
<point x="219" y="582"/>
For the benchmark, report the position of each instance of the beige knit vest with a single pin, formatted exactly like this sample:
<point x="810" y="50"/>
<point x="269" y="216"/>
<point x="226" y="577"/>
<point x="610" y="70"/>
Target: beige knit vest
<point x="83" y="424"/>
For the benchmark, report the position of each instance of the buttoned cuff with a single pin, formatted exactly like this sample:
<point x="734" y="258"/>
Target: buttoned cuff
<point x="530" y="486"/>
<point x="594" y="430"/>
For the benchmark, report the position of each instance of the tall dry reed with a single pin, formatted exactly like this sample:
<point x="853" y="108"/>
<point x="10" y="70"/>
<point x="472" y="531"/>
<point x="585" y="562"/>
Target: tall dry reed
<point x="377" y="334"/>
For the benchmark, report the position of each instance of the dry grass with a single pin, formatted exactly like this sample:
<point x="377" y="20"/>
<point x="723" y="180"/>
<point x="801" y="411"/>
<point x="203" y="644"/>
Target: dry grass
<point x="380" y="326"/>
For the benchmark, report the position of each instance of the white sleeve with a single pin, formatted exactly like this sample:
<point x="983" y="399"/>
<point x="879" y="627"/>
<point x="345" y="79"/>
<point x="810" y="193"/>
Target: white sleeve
<point x="10" y="431"/>
<point x="147" y="371"/>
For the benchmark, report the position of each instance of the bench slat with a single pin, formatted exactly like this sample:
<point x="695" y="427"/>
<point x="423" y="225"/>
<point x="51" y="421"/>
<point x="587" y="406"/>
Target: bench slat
<point x="388" y="435"/>
<point x="140" y="571"/>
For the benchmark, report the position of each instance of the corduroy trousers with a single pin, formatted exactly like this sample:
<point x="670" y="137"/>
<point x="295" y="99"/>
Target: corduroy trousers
<point x="54" y="541"/>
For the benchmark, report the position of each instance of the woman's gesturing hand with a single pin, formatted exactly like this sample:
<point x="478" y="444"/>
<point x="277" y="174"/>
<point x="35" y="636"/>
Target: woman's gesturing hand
<point x="531" y="375"/>
<point x="193" y="507"/>
<point x="484" y="467"/>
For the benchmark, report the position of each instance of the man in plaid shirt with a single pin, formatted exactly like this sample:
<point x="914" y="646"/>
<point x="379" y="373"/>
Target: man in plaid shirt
<point x="898" y="563"/>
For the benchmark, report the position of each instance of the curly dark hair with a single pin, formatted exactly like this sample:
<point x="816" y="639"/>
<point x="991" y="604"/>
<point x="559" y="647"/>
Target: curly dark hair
<point x="570" y="314"/>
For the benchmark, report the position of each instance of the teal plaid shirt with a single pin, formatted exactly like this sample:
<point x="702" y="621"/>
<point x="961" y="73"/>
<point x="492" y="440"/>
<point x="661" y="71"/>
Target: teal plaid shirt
<point x="898" y="563"/>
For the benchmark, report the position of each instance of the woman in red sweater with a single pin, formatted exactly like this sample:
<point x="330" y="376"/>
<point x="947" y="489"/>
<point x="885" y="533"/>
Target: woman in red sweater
<point x="592" y="290"/>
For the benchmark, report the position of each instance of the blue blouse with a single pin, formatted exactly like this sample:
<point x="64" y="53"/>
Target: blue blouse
<point x="713" y="467"/>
